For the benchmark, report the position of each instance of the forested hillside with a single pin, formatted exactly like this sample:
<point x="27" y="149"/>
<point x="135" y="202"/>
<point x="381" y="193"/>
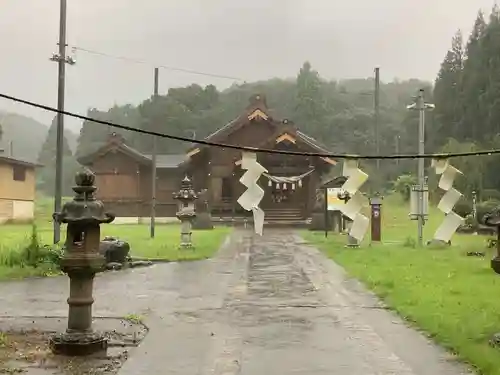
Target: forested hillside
<point x="467" y="99"/>
<point x="339" y="113"/>
<point x="24" y="133"/>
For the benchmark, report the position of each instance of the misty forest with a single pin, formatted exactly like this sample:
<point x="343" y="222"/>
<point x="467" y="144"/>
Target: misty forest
<point x="340" y="113"/>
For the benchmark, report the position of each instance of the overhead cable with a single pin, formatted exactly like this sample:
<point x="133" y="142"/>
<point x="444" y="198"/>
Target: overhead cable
<point x="247" y="148"/>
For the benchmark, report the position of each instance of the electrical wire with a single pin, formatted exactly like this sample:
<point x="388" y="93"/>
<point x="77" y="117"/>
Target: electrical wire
<point x="144" y="62"/>
<point x="251" y="149"/>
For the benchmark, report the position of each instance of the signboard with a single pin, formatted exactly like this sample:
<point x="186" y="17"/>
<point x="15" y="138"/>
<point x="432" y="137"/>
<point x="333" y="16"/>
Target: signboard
<point x="333" y="201"/>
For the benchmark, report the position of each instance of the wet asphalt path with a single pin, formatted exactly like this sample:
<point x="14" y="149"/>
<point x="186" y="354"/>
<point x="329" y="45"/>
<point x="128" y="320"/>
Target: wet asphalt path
<point x="264" y="305"/>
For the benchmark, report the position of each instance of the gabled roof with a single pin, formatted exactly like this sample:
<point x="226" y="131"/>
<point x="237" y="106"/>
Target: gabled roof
<point x="116" y="142"/>
<point x="17" y="161"/>
<point x="258" y="109"/>
<point x="166" y="161"/>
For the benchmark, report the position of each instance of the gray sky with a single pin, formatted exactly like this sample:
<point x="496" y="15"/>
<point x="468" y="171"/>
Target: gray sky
<point x="253" y="40"/>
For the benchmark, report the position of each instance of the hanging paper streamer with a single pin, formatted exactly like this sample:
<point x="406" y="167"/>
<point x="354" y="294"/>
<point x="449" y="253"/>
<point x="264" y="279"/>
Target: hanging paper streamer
<point x="352" y="209"/>
<point x="452" y="221"/>
<point x="251" y="198"/>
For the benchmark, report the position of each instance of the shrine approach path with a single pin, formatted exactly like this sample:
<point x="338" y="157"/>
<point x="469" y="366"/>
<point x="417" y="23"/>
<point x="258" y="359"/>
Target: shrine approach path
<point x="263" y="305"/>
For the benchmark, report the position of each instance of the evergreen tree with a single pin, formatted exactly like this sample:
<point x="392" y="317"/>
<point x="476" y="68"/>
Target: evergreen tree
<point x="47" y="157"/>
<point x="448" y="93"/>
<point x="473" y="81"/>
<point x="93" y="134"/>
<point x="490" y="98"/>
<point x="310" y="106"/>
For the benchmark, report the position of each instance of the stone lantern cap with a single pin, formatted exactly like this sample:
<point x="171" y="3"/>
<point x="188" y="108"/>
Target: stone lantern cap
<point x="84" y="209"/>
<point x="492" y="219"/>
<point x="186" y="193"/>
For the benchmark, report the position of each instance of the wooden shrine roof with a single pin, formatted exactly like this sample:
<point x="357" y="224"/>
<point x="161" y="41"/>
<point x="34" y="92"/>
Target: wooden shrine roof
<point x="116" y="142"/>
<point x="257" y="109"/>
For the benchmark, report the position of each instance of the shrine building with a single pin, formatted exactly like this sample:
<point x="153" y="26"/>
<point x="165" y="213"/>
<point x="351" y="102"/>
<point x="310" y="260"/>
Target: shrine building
<point x="123" y="174"/>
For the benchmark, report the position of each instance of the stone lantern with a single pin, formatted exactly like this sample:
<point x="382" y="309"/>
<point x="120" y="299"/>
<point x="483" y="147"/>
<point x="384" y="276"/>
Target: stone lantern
<point x="81" y="261"/>
<point x="186" y="213"/>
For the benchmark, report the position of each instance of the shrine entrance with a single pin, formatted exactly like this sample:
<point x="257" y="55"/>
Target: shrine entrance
<point x="285" y="195"/>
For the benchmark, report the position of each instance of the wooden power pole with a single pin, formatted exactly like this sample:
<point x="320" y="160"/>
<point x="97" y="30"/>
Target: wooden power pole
<point x="61" y="60"/>
<point x="153" y="160"/>
<point x="377" y="114"/>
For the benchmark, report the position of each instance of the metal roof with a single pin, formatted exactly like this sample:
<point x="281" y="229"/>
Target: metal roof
<point x="166" y="161"/>
<point x="12" y="160"/>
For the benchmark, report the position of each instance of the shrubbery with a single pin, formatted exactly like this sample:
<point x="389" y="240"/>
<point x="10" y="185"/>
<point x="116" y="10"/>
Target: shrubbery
<point x="34" y="254"/>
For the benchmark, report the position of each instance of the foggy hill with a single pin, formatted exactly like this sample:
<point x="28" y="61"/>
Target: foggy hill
<point x="27" y="135"/>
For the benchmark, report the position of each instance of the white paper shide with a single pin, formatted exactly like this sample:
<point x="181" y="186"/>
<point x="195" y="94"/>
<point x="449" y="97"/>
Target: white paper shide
<point x="352" y="209"/>
<point x="252" y="197"/>
<point x="450" y="198"/>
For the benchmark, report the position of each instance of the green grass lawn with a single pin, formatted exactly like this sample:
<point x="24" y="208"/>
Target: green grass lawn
<point x="165" y="245"/>
<point x="447" y="294"/>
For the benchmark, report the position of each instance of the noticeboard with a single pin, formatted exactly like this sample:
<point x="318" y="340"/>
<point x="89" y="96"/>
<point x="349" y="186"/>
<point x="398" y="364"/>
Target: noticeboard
<point x="333" y="201"/>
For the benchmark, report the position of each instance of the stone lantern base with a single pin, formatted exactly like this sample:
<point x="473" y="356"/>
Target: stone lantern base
<point x="78" y="344"/>
<point x="186" y="246"/>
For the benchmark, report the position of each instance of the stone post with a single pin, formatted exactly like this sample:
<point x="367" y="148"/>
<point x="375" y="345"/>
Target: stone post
<point x="81" y="261"/>
<point x="186" y="214"/>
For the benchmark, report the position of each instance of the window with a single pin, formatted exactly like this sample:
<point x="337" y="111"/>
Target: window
<point x="227" y="188"/>
<point x="19" y="172"/>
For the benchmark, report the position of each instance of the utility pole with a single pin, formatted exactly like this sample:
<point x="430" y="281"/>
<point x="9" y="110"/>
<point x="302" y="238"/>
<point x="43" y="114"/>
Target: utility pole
<point x="153" y="160"/>
<point x="62" y="60"/>
<point x="421" y="106"/>
<point x="377" y="114"/>
<point x="397" y="139"/>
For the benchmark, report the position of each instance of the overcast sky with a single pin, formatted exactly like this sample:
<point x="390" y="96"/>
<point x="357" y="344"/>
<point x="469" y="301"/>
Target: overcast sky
<point x="250" y="40"/>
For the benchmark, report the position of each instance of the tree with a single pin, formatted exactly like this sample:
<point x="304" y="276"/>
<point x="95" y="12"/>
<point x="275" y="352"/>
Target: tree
<point x="339" y="114"/>
<point x="473" y="168"/>
<point x="93" y="134"/>
<point x="165" y="115"/>
<point x="448" y="93"/>
<point x="309" y="108"/>
<point x="47" y="157"/>
<point x="473" y="81"/>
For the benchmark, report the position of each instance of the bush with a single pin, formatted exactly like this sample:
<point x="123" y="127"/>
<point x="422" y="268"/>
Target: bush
<point x="463" y="208"/>
<point x="33" y="255"/>
<point x="485" y="207"/>
<point x="403" y="185"/>
<point x="490" y="194"/>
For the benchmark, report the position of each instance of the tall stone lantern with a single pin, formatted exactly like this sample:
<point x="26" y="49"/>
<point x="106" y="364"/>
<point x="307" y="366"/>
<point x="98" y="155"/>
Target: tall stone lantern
<point x="81" y="261"/>
<point x="186" y="213"/>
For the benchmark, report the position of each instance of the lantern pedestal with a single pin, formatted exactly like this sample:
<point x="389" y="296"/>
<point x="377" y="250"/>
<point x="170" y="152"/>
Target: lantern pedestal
<point x="186" y="232"/>
<point x="81" y="261"/>
<point x="78" y="343"/>
<point x="186" y="214"/>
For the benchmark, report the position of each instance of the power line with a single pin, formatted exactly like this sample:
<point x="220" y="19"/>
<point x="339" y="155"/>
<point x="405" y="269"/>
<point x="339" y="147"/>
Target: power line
<point x="251" y="149"/>
<point x="145" y="62"/>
